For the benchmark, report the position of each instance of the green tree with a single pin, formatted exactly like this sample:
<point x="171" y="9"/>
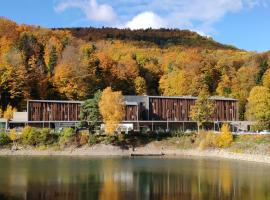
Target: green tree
<point x="203" y="109"/>
<point x="52" y="60"/>
<point x="90" y="111"/>
<point x="263" y="66"/>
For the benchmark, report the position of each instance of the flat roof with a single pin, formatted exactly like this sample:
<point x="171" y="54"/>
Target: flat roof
<point x="186" y="97"/>
<point x="32" y="122"/>
<point x="134" y="101"/>
<point x="56" y="101"/>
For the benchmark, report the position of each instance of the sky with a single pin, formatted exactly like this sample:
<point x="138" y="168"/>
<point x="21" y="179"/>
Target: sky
<point x="242" y="23"/>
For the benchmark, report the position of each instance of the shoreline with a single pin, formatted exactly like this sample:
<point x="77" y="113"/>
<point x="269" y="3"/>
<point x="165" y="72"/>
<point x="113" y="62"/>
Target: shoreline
<point x="109" y="150"/>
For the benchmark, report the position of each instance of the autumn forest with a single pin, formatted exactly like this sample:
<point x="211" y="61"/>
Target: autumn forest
<point x="73" y="63"/>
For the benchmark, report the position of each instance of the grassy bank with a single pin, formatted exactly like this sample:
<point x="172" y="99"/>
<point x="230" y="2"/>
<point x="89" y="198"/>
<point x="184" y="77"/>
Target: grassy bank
<point x="45" y="139"/>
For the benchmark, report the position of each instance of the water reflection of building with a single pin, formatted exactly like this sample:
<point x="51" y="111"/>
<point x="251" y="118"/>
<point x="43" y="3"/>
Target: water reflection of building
<point x="132" y="179"/>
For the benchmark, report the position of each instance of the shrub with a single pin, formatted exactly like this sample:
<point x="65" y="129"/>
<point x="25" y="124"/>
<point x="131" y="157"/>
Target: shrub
<point x="33" y="136"/>
<point x="202" y="145"/>
<point x="121" y="137"/>
<point x="211" y="139"/>
<point x="30" y="135"/>
<point x="83" y="138"/>
<point x="66" y="136"/>
<point x="225" y="138"/>
<point x="53" y="138"/>
<point x="43" y="136"/>
<point x="13" y="136"/>
<point x="260" y="126"/>
<point x="110" y="139"/>
<point x="4" y="139"/>
<point x="92" y="140"/>
<point x="207" y="139"/>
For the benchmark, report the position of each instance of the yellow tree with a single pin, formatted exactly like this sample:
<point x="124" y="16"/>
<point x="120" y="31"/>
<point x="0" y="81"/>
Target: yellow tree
<point x="8" y="114"/>
<point x="203" y="109"/>
<point x="111" y="106"/>
<point x="13" y="74"/>
<point x="224" y="86"/>
<point x="75" y="74"/>
<point x="266" y="79"/>
<point x="258" y="107"/>
<point x="242" y="84"/>
<point x="140" y="86"/>
<point x="225" y="138"/>
<point x="174" y="83"/>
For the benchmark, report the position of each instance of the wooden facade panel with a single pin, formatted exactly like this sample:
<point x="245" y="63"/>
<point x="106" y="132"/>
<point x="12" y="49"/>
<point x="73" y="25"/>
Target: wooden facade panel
<point x="53" y="111"/>
<point x="159" y="109"/>
<point x="163" y="109"/>
<point x="131" y="113"/>
<point x="178" y="109"/>
<point x="225" y="110"/>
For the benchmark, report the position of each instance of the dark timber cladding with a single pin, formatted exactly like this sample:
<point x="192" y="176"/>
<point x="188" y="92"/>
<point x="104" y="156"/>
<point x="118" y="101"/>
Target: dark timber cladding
<point x="39" y="110"/>
<point x="178" y="109"/>
<point x="137" y="108"/>
<point x="161" y="108"/>
<point x="172" y="109"/>
<point x="131" y="112"/>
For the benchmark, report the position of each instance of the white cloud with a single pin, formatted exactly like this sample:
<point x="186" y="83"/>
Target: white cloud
<point x="92" y="10"/>
<point x="200" y="15"/>
<point x="146" y="20"/>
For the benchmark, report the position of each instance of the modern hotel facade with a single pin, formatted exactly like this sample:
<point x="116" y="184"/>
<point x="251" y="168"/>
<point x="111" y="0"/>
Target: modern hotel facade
<point x="154" y="112"/>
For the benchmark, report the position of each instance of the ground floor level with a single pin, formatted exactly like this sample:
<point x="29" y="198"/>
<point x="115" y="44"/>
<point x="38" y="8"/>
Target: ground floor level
<point x="184" y="126"/>
<point x="139" y="126"/>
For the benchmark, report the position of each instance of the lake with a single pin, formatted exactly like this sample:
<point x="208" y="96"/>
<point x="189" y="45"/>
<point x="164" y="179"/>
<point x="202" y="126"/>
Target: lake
<point x="124" y="178"/>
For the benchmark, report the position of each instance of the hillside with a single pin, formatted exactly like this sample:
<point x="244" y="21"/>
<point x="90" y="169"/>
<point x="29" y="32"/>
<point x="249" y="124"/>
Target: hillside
<point x="160" y="37"/>
<point x="40" y="63"/>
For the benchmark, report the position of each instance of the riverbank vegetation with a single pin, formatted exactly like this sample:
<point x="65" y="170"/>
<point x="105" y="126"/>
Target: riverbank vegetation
<point x="45" y="139"/>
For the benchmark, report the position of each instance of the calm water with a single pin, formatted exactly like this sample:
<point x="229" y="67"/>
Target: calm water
<point x="82" y="178"/>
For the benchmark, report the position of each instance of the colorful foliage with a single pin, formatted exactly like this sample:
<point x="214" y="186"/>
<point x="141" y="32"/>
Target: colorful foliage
<point x="111" y="106"/>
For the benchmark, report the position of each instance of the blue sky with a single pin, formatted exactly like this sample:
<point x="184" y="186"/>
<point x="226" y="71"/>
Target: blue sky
<point x="243" y="23"/>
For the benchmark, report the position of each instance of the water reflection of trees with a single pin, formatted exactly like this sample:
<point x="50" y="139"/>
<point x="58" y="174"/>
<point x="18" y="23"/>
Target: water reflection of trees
<point x="132" y="179"/>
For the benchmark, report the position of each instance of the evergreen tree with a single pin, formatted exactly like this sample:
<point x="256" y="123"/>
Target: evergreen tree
<point x="262" y="69"/>
<point x="52" y="60"/>
<point x="90" y="111"/>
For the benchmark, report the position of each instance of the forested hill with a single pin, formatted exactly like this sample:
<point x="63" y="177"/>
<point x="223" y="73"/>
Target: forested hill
<point x="160" y="37"/>
<point x="40" y="63"/>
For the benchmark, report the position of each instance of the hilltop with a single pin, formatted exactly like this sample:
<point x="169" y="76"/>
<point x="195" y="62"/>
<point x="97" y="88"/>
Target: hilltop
<point x="161" y="37"/>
